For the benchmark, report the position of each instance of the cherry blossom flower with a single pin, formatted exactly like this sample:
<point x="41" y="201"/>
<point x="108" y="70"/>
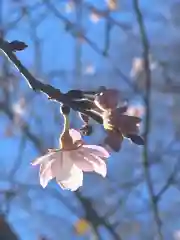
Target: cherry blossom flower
<point x="116" y="120"/>
<point x="68" y="163"/>
<point x="119" y="125"/>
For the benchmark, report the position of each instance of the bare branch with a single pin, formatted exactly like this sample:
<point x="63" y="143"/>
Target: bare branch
<point x="19" y="158"/>
<point x="145" y="45"/>
<point x="169" y="181"/>
<point x="94" y="218"/>
<point x="51" y="92"/>
<point x="70" y="27"/>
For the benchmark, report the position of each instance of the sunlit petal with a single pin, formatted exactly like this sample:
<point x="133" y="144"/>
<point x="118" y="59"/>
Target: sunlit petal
<point x="97" y="150"/>
<point x="74" y="181"/>
<point x="89" y="162"/>
<point x="45" y="158"/>
<point x="45" y="173"/>
<point x="108" y="99"/>
<point x="100" y="166"/>
<point x="62" y="166"/>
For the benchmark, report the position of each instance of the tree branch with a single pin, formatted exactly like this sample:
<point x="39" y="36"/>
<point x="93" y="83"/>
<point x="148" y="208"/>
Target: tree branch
<point x="93" y="217"/>
<point x="51" y="92"/>
<point x="69" y="26"/>
<point x="169" y="181"/>
<point x="145" y="45"/>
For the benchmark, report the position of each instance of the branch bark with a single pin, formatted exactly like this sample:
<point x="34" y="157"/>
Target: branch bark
<point x="51" y="92"/>
<point x="145" y="45"/>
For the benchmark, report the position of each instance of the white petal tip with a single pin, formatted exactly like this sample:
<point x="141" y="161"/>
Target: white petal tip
<point x="63" y="187"/>
<point x="74" y="190"/>
<point x="102" y="172"/>
<point x="43" y="184"/>
<point x="35" y="163"/>
<point x="103" y="175"/>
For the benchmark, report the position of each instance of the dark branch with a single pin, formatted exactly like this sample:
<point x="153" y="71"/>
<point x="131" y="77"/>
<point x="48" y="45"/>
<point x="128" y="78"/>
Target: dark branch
<point x="69" y="26"/>
<point x="145" y="45"/>
<point x="93" y="217"/>
<point x="51" y="92"/>
<point x="169" y="181"/>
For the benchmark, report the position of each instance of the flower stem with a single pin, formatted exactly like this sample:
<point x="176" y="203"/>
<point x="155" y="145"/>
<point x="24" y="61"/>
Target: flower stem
<point x="66" y="122"/>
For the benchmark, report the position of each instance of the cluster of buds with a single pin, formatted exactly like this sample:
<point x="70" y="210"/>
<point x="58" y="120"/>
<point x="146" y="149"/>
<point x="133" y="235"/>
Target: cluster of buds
<point x="117" y="123"/>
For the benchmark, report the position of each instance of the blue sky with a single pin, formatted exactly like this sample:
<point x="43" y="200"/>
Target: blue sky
<point x="31" y="210"/>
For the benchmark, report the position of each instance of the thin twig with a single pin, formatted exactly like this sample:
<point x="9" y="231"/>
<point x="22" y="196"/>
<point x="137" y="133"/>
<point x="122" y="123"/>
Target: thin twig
<point x="169" y="181"/>
<point x="19" y="158"/>
<point x="96" y="220"/>
<point x="70" y="27"/>
<point x="145" y="45"/>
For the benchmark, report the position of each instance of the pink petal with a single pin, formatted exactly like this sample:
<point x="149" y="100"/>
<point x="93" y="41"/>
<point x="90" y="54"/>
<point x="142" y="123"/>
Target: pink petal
<point x="100" y="166"/>
<point x="90" y="162"/>
<point x="107" y="99"/>
<point x="45" y="173"/>
<point x="45" y="158"/>
<point x="62" y="166"/>
<point x="57" y="164"/>
<point x="75" y="135"/>
<point x="83" y="163"/>
<point x="114" y="140"/>
<point x="74" y="181"/>
<point x="97" y="150"/>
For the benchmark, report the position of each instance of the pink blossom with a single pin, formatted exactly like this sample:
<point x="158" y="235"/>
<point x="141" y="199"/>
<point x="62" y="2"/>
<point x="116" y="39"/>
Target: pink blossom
<point x="119" y="124"/>
<point x="108" y="99"/>
<point x="68" y="163"/>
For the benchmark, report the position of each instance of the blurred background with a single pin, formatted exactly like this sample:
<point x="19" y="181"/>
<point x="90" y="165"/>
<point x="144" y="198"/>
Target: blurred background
<point x="76" y="44"/>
